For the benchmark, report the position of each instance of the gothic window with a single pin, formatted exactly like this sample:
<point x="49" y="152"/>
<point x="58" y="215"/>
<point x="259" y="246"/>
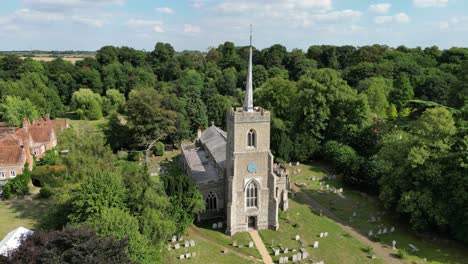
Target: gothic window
<point x="252" y="195"/>
<point x="252" y="139"/>
<point x="211" y="202"/>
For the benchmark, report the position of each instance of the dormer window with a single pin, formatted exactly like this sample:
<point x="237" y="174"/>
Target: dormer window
<point x="252" y="139"/>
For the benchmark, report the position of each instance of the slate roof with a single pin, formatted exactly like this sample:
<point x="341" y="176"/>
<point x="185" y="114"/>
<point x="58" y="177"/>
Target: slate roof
<point x="214" y="139"/>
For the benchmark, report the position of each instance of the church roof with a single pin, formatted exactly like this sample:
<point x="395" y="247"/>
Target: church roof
<point x="214" y="139"/>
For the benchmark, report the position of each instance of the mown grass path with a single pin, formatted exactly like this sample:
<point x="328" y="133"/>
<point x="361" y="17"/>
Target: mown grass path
<point x="261" y="247"/>
<point x="379" y="249"/>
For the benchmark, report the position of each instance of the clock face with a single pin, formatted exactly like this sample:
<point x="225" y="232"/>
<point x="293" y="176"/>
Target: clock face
<point x="252" y="167"/>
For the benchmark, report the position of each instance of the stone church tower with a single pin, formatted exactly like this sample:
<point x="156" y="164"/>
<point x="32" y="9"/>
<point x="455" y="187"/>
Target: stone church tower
<point x="255" y="188"/>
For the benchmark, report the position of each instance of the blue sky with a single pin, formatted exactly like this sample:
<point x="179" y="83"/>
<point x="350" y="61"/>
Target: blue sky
<point x="200" y="24"/>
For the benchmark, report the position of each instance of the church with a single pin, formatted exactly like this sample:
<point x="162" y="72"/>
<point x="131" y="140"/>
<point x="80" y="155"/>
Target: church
<point x="234" y="169"/>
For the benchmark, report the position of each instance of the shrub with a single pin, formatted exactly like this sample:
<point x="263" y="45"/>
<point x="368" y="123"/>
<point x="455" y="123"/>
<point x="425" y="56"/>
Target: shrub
<point x="122" y="155"/>
<point x="401" y="254"/>
<point x="50" y="158"/>
<point x="159" y="149"/>
<point x="17" y="186"/>
<point x="45" y="192"/>
<point x="135" y="156"/>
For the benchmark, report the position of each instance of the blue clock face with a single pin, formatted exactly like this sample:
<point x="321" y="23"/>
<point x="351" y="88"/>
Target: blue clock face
<point x="252" y="167"/>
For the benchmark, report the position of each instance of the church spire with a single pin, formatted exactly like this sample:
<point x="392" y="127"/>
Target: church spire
<point x="248" y="100"/>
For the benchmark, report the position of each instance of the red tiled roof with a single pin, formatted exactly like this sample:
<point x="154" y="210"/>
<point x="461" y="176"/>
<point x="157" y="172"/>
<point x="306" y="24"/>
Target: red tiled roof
<point x="11" y="155"/>
<point x="40" y="131"/>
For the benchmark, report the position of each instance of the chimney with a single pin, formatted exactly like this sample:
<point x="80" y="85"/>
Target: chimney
<point x="25" y="124"/>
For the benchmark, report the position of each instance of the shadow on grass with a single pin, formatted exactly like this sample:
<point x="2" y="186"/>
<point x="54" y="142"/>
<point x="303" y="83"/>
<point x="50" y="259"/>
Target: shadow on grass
<point x="29" y="207"/>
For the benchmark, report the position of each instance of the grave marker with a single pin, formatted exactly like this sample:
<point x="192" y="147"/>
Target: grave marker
<point x="174" y="239"/>
<point x="234" y="243"/>
<point x="251" y="244"/>
<point x="371" y="233"/>
<point x="393" y="244"/>
<point x="325" y="234"/>
<point x="215" y="226"/>
<point x="177" y="246"/>
<point x="220" y="225"/>
<point x="186" y="243"/>
<point x="192" y="243"/>
<point x="392" y="229"/>
<point x="182" y="257"/>
<point x="297" y="237"/>
<point x="316" y="244"/>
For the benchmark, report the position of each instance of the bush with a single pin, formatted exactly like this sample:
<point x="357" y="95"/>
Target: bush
<point x="401" y="254"/>
<point x="135" y="156"/>
<point x="122" y="155"/>
<point x="50" y="158"/>
<point x="159" y="149"/>
<point x="45" y="192"/>
<point x="17" y="186"/>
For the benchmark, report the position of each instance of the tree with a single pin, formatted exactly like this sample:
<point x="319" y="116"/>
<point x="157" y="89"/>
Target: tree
<point x="276" y="95"/>
<point x="14" y="109"/>
<point x="376" y="89"/>
<point x="70" y="245"/>
<point x="227" y="83"/>
<point x="114" y="101"/>
<point x="87" y="104"/>
<point x="147" y="117"/>
<point x="106" y="55"/>
<point x="91" y="78"/>
<point x="403" y="91"/>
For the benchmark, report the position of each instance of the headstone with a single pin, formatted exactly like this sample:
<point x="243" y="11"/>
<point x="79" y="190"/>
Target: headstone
<point x="234" y="243"/>
<point x="286" y="259"/>
<point x="379" y="232"/>
<point x="286" y="251"/>
<point x="299" y="256"/>
<point x="316" y="244"/>
<point x="169" y="248"/>
<point x="225" y="251"/>
<point x="294" y="258"/>
<point x="177" y="246"/>
<point x="281" y="261"/>
<point x="371" y="233"/>
<point x="297" y="163"/>
<point x="393" y="244"/>
<point x="277" y="252"/>
<point x="354" y="214"/>
<point x="305" y="254"/>
<point x="220" y="225"/>
<point x="174" y="239"/>
<point x="325" y="234"/>
<point x="180" y="238"/>
<point x="384" y="231"/>
<point x="297" y="237"/>
<point x="372" y="219"/>
<point x="298" y="170"/>
<point x="300" y="243"/>
<point x="335" y="191"/>
<point x="341" y="190"/>
<point x="392" y="229"/>
<point x="188" y="255"/>
<point x="194" y="254"/>
<point x="327" y="186"/>
<point x="251" y="244"/>
<point x="182" y="257"/>
<point x="192" y="243"/>
<point x="290" y="163"/>
<point x="215" y="226"/>
<point x="281" y="247"/>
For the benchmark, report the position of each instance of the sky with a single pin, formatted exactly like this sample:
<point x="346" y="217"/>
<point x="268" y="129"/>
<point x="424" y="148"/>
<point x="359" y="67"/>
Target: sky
<point x="201" y="24"/>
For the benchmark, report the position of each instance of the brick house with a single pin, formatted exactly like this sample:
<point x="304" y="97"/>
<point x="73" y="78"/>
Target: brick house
<point x="21" y="145"/>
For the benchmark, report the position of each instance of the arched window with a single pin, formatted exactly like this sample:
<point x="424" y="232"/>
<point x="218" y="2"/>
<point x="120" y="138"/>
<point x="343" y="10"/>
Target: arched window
<point x="252" y="195"/>
<point x="211" y="202"/>
<point x="252" y="139"/>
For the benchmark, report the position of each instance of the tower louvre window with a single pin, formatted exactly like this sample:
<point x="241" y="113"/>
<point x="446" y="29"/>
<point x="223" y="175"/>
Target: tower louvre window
<point x="211" y="202"/>
<point x="252" y="195"/>
<point x="252" y="139"/>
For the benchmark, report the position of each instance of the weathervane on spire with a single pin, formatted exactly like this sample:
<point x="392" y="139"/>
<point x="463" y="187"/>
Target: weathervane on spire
<point x="248" y="100"/>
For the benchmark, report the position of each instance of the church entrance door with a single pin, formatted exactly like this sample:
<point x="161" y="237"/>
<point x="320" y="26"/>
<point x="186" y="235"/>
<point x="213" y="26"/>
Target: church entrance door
<point x="252" y="222"/>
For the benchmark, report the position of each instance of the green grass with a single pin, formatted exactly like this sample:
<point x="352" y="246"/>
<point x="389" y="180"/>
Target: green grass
<point x="20" y="212"/>
<point x="435" y="249"/>
<point x="209" y="248"/>
<point x="338" y="247"/>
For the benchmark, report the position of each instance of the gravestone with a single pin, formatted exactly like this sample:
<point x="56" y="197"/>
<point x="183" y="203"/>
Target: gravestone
<point x="177" y="246"/>
<point x="169" y="248"/>
<point x="354" y="214"/>
<point x="379" y="232"/>
<point x="192" y="243"/>
<point x="300" y="243"/>
<point x="225" y="251"/>
<point x="188" y="255"/>
<point x="371" y="233"/>
<point x="299" y="256"/>
<point x="321" y="234"/>
<point x="286" y="259"/>
<point x="294" y="258"/>
<point x="305" y="254"/>
<point x="290" y="163"/>
<point x="277" y="252"/>
<point x="182" y="257"/>
<point x="325" y="234"/>
<point x="297" y="163"/>
<point x="186" y="243"/>
<point x="180" y="238"/>
<point x="341" y="190"/>
<point x="234" y="243"/>
<point x="215" y="226"/>
<point x="220" y="225"/>
<point x="327" y="186"/>
<point x="297" y="237"/>
<point x="298" y="170"/>
<point x="372" y="219"/>
<point x="316" y="244"/>
<point x="281" y="261"/>
<point x="384" y="231"/>
<point x="286" y="251"/>
<point x="392" y="229"/>
<point x="393" y="244"/>
<point x="281" y="247"/>
<point x="174" y="239"/>
<point x="250" y="244"/>
<point x="194" y="254"/>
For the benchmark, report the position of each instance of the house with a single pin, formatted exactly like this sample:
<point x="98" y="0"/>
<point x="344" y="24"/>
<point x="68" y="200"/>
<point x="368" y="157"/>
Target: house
<point x="19" y="146"/>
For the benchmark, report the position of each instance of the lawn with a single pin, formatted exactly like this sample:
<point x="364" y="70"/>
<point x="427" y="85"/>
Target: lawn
<point x="24" y="212"/>
<point x="209" y="248"/>
<point x="338" y="247"/>
<point x="435" y="249"/>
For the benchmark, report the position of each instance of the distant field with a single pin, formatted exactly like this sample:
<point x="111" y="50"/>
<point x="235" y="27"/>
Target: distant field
<point x="50" y="58"/>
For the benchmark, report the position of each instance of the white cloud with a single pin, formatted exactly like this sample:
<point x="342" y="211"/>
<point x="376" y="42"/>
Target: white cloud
<point x="430" y="3"/>
<point x="275" y="6"/>
<point x="188" y="28"/>
<point x="455" y="24"/>
<point x="400" y="18"/>
<point x="165" y="10"/>
<point x="380" y="8"/>
<point x="142" y="25"/>
<point x="92" y="22"/>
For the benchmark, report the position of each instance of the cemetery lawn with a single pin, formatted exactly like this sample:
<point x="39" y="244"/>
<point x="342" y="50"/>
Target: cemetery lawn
<point x="338" y="247"/>
<point x="17" y="212"/>
<point x="210" y="245"/>
<point x="435" y="249"/>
